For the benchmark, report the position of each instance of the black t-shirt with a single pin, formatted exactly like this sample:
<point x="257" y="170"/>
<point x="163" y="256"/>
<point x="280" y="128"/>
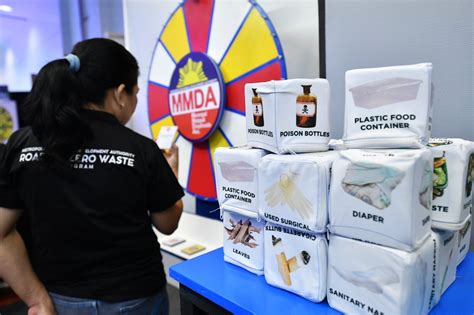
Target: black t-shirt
<point x="91" y="232"/>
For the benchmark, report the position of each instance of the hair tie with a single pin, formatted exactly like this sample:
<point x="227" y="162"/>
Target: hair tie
<point x="74" y="62"/>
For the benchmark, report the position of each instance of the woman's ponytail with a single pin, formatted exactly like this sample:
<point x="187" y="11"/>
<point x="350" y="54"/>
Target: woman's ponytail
<point x="54" y="104"/>
<point x="65" y="86"/>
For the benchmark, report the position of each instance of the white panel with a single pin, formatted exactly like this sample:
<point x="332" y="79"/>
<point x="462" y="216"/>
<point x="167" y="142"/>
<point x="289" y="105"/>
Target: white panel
<point x="162" y="66"/>
<point x="185" y="151"/>
<point x="233" y="126"/>
<point x="227" y="18"/>
<point x="189" y="203"/>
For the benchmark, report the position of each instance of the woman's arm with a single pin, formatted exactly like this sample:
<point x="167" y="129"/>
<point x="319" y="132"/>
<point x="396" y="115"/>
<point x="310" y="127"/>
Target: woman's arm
<point x="167" y="221"/>
<point x="15" y="267"/>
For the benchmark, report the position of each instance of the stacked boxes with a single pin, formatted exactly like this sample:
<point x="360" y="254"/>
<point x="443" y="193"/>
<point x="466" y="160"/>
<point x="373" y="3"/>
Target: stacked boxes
<point x="379" y="223"/>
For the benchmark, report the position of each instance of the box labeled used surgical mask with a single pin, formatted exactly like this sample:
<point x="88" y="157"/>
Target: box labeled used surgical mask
<point x="463" y="239"/>
<point x="288" y="115"/>
<point x="237" y="177"/>
<point x="382" y="196"/>
<point x="243" y="239"/>
<point x="388" y="107"/>
<point x="453" y="174"/>
<point x="296" y="261"/>
<point x="293" y="189"/>
<point x="365" y="278"/>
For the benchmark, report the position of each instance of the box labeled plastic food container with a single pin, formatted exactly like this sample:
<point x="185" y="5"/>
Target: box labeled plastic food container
<point x="365" y="278"/>
<point x="453" y="174"/>
<point x="382" y="196"/>
<point x="296" y="261"/>
<point x="243" y="239"/>
<point x="388" y="107"/>
<point x="237" y="177"/>
<point x="294" y="189"/>
<point x="288" y="115"/>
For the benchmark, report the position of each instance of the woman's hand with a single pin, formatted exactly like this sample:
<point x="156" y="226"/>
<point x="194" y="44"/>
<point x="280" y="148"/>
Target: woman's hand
<point x="46" y="308"/>
<point x="172" y="156"/>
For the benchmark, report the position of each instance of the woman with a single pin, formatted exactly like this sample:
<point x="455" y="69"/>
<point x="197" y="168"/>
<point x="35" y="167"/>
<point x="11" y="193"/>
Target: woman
<point x="91" y="189"/>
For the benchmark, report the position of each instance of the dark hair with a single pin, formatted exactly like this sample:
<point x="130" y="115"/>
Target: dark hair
<point x="59" y="94"/>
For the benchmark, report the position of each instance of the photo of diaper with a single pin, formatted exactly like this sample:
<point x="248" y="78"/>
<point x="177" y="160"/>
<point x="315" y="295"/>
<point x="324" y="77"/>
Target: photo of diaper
<point x="286" y="192"/>
<point x="373" y="279"/>
<point x="371" y="183"/>
<point x="385" y="92"/>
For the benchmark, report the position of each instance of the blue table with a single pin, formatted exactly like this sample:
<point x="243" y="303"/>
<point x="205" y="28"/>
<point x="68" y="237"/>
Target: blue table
<point x="241" y="292"/>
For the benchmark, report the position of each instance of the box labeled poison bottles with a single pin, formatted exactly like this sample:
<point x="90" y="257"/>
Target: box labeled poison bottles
<point x="288" y="115"/>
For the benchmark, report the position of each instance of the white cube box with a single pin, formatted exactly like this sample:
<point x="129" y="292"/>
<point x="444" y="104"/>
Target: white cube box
<point x="452" y="181"/>
<point x="288" y="115"/>
<point x="293" y="189"/>
<point x="243" y="239"/>
<point x="463" y="240"/>
<point x="296" y="261"/>
<point x="446" y="252"/>
<point x="389" y="107"/>
<point x="365" y="278"/>
<point x="382" y="196"/>
<point x="237" y="177"/>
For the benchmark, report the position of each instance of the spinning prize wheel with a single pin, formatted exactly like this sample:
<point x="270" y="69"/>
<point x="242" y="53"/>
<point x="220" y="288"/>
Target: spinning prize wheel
<point x="207" y="52"/>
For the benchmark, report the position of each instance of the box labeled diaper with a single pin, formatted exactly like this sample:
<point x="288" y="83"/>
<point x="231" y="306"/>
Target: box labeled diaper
<point x="365" y="278"/>
<point x="382" y="196"/>
<point x="453" y="173"/>
<point x="293" y="189"/>
<point x="288" y="115"/>
<point x="463" y="239"/>
<point x="243" y="239"/>
<point x="237" y="177"/>
<point x="296" y="261"/>
<point x="388" y="107"/>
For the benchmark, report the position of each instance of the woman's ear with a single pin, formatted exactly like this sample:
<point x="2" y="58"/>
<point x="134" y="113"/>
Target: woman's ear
<point x="120" y="95"/>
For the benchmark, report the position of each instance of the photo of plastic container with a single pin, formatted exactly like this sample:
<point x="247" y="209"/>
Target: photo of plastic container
<point x="385" y="92"/>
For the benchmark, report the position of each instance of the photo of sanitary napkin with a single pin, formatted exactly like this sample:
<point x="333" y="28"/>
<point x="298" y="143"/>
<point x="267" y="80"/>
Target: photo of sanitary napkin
<point x="286" y="192"/>
<point x="385" y="92"/>
<point x="373" y="279"/>
<point x="372" y="183"/>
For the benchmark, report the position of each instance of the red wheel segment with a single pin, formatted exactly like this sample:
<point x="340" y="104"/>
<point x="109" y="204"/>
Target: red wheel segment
<point x="201" y="174"/>
<point x="198" y="16"/>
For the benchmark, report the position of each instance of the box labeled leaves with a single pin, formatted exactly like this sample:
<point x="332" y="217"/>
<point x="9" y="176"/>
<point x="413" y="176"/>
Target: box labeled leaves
<point x="243" y="239"/>
<point x="288" y="115"/>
